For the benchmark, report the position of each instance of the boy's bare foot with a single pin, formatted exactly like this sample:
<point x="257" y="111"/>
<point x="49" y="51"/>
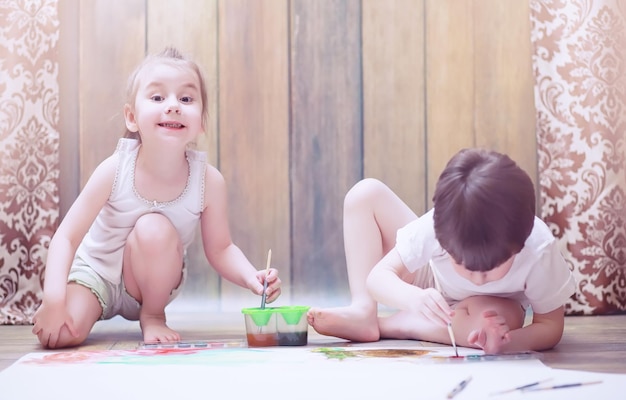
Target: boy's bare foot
<point x="493" y="334"/>
<point x="405" y="325"/>
<point x="156" y="331"/>
<point x="351" y="323"/>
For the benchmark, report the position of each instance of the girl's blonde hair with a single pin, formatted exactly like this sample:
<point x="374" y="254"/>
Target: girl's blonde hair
<point x="169" y="56"/>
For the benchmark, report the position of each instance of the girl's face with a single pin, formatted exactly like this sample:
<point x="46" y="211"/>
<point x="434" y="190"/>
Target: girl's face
<point x="168" y="104"/>
<point x="479" y="277"/>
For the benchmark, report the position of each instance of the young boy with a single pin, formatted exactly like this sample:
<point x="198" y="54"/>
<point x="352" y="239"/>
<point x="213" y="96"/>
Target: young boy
<point x="476" y="260"/>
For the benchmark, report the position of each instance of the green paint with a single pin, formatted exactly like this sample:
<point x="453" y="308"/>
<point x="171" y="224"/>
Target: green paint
<point x="335" y="353"/>
<point x="341" y="354"/>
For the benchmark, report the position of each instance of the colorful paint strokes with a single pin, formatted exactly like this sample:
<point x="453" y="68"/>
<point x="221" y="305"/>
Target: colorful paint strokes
<point x="337" y="353"/>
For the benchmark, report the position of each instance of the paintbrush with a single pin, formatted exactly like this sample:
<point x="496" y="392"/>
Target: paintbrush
<point x="456" y="351"/>
<point x="567" y="385"/>
<point x="521" y="388"/>
<point x="267" y="268"/>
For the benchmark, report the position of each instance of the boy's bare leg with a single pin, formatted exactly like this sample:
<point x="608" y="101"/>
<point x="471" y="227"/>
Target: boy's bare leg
<point x="371" y="217"/>
<point x="487" y="316"/>
<point x="152" y="269"/>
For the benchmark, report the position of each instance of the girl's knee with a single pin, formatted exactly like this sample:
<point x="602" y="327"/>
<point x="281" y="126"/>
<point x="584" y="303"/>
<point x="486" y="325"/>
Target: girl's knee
<point x="154" y="230"/>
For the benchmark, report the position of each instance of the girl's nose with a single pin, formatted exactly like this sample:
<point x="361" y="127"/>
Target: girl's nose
<point x="172" y="105"/>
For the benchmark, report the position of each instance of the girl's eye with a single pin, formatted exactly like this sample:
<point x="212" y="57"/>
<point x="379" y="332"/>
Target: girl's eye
<point x="156" y="97"/>
<point x="186" y="99"/>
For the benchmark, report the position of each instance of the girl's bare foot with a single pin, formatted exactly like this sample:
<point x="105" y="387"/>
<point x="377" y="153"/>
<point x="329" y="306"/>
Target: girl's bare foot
<point x="155" y="330"/>
<point x="493" y="334"/>
<point x="351" y="323"/>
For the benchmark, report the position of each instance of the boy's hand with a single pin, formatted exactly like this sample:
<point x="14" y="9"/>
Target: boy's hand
<point x="493" y="335"/>
<point x="273" y="284"/>
<point x="48" y="322"/>
<point x="433" y="306"/>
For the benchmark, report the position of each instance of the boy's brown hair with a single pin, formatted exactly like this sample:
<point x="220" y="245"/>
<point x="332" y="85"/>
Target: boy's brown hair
<point x="484" y="208"/>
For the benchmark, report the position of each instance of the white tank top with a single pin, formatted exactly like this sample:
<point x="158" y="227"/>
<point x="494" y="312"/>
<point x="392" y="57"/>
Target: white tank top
<point x="103" y="246"/>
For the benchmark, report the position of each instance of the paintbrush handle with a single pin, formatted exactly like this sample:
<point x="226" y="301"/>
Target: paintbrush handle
<point x="267" y="268"/>
<point x="452" y="339"/>
<point x="264" y="296"/>
<point x="564" y="386"/>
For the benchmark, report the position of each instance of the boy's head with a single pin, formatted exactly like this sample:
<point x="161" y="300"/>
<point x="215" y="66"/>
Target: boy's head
<point x="484" y="209"/>
<point x="172" y="57"/>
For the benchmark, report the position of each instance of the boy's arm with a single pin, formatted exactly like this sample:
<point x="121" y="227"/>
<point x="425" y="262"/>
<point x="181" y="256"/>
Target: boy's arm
<point x="543" y="333"/>
<point x="386" y="286"/>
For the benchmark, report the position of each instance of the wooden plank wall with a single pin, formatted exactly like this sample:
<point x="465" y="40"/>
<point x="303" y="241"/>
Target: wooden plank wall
<point x="326" y="138"/>
<point x="306" y="98"/>
<point x="254" y="131"/>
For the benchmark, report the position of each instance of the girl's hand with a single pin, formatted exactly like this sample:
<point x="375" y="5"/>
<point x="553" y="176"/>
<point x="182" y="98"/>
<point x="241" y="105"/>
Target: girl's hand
<point x="273" y="284"/>
<point x="431" y="304"/>
<point x="48" y="322"/>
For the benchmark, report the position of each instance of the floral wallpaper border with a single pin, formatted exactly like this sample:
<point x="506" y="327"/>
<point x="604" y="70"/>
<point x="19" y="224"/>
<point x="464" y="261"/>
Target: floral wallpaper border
<point x="29" y="151"/>
<point x="580" y="96"/>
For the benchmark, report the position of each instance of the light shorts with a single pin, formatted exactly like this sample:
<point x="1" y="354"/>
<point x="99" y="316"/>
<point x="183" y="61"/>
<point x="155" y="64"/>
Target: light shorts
<point x="113" y="298"/>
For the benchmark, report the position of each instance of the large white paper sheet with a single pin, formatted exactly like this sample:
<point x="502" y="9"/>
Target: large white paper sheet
<point x="283" y="373"/>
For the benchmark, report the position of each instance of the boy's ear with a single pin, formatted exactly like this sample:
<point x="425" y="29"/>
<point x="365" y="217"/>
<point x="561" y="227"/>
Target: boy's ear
<point x="129" y="117"/>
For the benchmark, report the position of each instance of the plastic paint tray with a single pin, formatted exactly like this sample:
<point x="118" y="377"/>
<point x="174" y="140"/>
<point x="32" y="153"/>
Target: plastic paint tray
<point x="526" y="355"/>
<point x="194" y="344"/>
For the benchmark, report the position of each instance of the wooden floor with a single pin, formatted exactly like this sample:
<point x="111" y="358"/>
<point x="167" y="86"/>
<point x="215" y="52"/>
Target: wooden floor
<point x="590" y="343"/>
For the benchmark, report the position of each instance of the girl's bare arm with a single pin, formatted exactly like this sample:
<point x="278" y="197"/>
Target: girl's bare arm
<point x="74" y="226"/>
<point x="228" y="260"/>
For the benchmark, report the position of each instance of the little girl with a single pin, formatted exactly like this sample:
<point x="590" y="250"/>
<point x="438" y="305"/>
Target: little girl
<point x="120" y="248"/>
<point x="477" y="260"/>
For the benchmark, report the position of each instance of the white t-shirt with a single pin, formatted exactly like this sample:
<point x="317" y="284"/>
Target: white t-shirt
<point x="539" y="276"/>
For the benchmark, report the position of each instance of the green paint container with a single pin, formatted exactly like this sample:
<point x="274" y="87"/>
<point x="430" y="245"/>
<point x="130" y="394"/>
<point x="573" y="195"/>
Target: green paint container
<point x="292" y="326"/>
<point x="260" y="316"/>
<point x="260" y="327"/>
<point x="276" y="326"/>
<point x="292" y="315"/>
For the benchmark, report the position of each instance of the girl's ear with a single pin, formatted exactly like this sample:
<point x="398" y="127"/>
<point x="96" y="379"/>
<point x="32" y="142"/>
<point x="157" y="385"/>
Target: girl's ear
<point x="129" y="117"/>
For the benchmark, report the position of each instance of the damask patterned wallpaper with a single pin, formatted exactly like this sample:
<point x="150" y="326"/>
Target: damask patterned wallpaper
<point x="580" y="96"/>
<point x="29" y="148"/>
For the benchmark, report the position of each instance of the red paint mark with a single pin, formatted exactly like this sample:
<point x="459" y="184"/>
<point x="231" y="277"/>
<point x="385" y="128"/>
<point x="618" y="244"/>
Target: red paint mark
<point x="164" y="352"/>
